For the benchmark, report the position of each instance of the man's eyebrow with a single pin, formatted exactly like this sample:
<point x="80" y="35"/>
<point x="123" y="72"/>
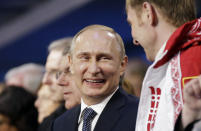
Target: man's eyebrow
<point x="82" y="53"/>
<point x="104" y="54"/>
<point x="67" y="69"/>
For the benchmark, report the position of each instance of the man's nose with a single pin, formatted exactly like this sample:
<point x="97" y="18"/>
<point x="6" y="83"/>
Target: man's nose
<point x="94" y="67"/>
<point x="62" y="80"/>
<point x="47" y="79"/>
<point x="36" y="103"/>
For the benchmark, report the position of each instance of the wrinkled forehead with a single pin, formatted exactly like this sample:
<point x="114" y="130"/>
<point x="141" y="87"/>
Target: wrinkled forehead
<point x="95" y="34"/>
<point x="96" y="37"/>
<point x="64" y="63"/>
<point x="54" y="60"/>
<point x="55" y="54"/>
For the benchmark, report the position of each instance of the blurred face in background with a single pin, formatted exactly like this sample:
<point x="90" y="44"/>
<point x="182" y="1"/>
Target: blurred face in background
<point x="5" y="124"/>
<point x="50" y="95"/>
<point x="44" y="103"/>
<point x="2" y="86"/>
<point x="70" y="92"/>
<point x="53" y="66"/>
<point x="134" y="75"/>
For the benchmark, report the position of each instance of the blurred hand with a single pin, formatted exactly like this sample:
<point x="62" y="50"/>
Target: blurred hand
<point x="192" y="101"/>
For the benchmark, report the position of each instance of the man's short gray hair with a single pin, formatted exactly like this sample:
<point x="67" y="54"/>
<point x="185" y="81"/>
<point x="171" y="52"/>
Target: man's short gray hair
<point x="63" y="44"/>
<point x="30" y="74"/>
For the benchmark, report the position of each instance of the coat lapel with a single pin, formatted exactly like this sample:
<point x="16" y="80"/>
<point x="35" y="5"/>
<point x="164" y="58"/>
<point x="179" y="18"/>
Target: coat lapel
<point x="111" y="112"/>
<point x="73" y="119"/>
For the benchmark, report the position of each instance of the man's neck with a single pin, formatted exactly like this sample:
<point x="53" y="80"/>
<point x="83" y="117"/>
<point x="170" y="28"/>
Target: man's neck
<point x="164" y="31"/>
<point x="92" y="101"/>
<point x="97" y="99"/>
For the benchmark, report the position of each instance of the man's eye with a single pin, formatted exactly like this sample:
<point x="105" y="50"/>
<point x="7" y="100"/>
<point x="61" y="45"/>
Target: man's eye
<point x="105" y="58"/>
<point x="58" y="74"/>
<point x="84" y="57"/>
<point x="67" y="71"/>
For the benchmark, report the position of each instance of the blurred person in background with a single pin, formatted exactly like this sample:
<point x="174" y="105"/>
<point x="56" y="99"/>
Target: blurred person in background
<point x="71" y="94"/>
<point x="2" y="86"/>
<point x="27" y="75"/>
<point x="17" y="111"/>
<point x="50" y="92"/>
<point x="134" y="76"/>
<point x="126" y="85"/>
<point x="45" y="104"/>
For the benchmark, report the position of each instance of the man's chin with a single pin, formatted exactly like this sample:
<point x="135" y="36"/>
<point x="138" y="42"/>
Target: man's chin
<point x="149" y="58"/>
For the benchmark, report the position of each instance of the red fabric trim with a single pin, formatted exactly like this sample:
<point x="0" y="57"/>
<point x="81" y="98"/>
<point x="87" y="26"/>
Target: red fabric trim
<point x="185" y="36"/>
<point x="190" y="61"/>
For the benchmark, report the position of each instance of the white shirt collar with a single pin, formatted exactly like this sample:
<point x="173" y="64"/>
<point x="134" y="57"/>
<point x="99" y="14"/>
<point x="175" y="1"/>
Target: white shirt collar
<point x="160" y="53"/>
<point x="98" y="108"/>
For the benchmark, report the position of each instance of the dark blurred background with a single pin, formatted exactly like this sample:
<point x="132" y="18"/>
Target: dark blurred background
<point x="28" y="26"/>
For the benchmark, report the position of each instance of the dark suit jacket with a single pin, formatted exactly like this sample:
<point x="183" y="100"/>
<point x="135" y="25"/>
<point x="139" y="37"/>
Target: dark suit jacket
<point x="118" y="115"/>
<point x="47" y="122"/>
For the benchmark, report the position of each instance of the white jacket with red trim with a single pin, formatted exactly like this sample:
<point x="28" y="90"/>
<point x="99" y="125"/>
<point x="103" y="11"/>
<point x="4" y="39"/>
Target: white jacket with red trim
<point x="177" y="62"/>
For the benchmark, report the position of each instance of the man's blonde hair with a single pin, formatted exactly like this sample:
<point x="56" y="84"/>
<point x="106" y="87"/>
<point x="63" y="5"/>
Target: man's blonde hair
<point x="176" y="12"/>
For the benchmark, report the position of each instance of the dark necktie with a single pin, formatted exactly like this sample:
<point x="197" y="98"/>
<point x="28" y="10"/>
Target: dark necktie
<point x="88" y="116"/>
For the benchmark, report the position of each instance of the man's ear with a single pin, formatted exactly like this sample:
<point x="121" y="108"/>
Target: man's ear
<point x="124" y="63"/>
<point x="149" y="13"/>
<point x="68" y="58"/>
<point x="71" y="63"/>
